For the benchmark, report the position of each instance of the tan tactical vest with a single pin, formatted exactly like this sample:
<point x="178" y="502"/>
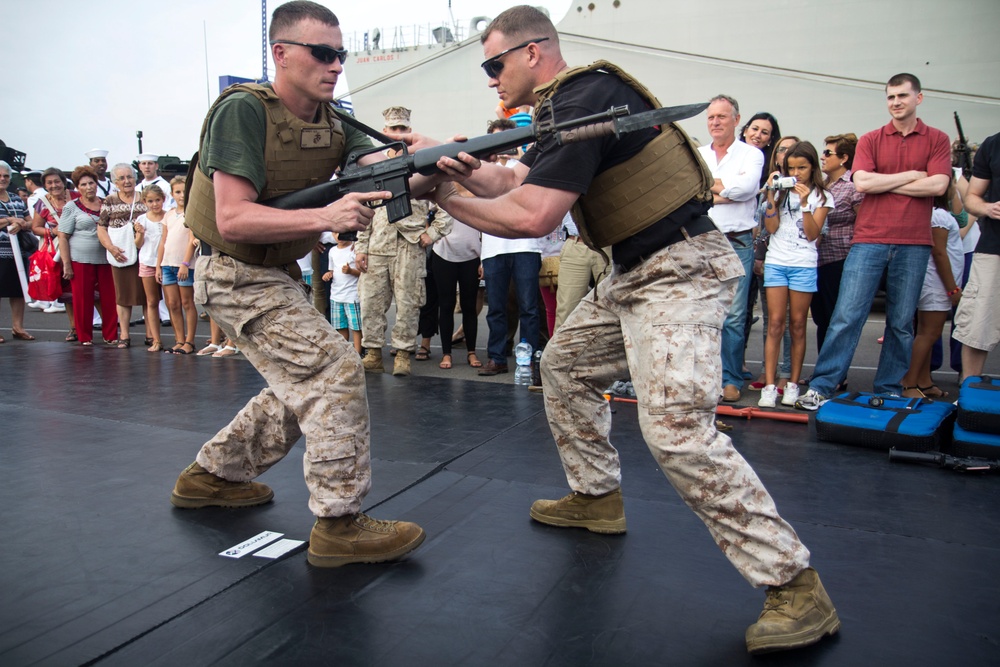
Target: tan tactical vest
<point x="655" y="182"/>
<point x="297" y="154"/>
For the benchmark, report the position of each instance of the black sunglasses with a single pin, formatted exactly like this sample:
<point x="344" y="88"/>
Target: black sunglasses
<point x="493" y="66"/>
<point x="827" y="153"/>
<point x="324" y="54"/>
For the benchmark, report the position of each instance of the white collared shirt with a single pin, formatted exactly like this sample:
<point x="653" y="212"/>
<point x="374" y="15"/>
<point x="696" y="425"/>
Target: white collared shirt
<point x="164" y="185"/>
<point x="739" y="170"/>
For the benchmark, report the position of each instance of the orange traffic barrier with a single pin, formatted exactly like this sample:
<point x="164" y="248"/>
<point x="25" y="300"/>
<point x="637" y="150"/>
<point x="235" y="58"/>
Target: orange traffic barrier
<point x="745" y="413"/>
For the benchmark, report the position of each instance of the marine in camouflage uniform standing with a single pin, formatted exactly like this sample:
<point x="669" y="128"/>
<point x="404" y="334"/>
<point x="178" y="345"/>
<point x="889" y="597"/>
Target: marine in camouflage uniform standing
<point x="259" y="141"/>
<point x="392" y="258"/>
<point x="656" y="317"/>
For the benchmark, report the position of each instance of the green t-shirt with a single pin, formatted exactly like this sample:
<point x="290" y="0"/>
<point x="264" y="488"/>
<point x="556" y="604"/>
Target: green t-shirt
<point x="234" y="140"/>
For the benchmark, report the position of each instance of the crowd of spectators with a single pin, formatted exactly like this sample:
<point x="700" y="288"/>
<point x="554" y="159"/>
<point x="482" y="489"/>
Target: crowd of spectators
<point x="788" y="208"/>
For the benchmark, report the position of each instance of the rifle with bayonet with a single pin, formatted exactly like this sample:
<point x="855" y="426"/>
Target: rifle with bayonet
<point x="393" y="174"/>
<point x="963" y="150"/>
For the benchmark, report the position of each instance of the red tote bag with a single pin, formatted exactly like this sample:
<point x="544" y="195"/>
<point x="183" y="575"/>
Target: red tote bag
<point x="44" y="273"/>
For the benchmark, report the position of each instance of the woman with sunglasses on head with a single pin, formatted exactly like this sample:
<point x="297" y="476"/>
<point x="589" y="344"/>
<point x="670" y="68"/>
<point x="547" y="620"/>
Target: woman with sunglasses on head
<point x="838" y="156"/>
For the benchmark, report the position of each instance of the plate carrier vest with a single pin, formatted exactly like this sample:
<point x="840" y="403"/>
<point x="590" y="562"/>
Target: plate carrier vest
<point x="650" y="185"/>
<point x="291" y="165"/>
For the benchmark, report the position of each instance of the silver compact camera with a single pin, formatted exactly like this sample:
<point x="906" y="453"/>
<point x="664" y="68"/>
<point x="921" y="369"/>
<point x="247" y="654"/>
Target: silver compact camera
<point x="783" y="183"/>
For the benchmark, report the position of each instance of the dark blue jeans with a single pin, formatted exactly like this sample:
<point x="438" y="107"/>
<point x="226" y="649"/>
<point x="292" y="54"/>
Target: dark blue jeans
<point x="523" y="268"/>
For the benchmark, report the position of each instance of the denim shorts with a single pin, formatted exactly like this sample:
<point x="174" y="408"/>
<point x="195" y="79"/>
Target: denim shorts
<point x="798" y="278"/>
<point x="170" y="276"/>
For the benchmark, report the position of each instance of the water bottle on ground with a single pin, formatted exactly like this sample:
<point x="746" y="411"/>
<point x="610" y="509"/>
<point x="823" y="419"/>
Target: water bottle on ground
<point x="522" y="354"/>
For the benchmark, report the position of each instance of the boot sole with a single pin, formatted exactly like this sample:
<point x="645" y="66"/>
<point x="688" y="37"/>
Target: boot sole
<point x="604" y="527"/>
<point x="317" y="560"/>
<point x="187" y="503"/>
<point x="830" y="626"/>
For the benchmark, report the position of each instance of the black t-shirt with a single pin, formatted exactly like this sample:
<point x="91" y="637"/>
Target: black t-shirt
<point x="572" y="167"/>
<point x="987" y="166"/>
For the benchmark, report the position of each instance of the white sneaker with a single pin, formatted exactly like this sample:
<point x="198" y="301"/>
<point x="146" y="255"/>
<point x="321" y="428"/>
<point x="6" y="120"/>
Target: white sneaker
<point x="768" y="396"/>
<point x="38" y="305"/>
<point x="791" y="394"/>
<point x="811" y="401"/>
<point x="56" y="307"/>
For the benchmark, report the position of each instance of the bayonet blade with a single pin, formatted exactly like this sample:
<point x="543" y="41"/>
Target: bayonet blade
<point x="644" y="119"/>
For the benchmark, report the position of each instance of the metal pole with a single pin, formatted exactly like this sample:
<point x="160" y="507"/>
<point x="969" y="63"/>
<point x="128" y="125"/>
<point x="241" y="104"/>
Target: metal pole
<point x="263" y="40"/>
<point x="208" y="86"/>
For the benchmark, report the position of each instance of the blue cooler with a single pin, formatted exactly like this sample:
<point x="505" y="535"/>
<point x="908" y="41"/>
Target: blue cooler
<point x="972" y="443"/>
<point x="979" y="404"/>
<point x="882" y="422"/>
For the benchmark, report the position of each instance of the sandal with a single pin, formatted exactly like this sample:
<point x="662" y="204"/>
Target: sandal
<point x="124" y="343"/>
<point x="22" y="335"/>
<point x="147" y="341"/>
<point x="71" y="337"/>
<point x="930" y="391"/>
<point x="226" y="351"/>
<point x="445" y="361"/>
<point x="87" y="343"/>
<point x="155" y="347"/>
<point x="913" y="392"/>
<point x="183" y="348"/>
<point x="423" y="354"/>
<point x="474" y="360"/>
<point x="211" y="348"/>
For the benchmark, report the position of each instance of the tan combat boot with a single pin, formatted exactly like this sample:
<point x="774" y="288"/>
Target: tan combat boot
<point x="402" y="365"/>
<point x="196" y="487"/>
<point x="361" y="539"/>
<point x="796" y="614"/>
<point x="372" y="360"/>
<point x="598" y="514"/>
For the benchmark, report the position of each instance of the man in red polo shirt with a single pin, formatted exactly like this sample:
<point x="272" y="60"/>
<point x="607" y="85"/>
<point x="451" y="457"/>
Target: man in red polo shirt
<point x="900" y="167"/>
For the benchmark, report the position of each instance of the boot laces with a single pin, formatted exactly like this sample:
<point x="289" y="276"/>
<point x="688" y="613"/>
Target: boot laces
<point x="775" y="599"/>
<point x="372" y="523"/>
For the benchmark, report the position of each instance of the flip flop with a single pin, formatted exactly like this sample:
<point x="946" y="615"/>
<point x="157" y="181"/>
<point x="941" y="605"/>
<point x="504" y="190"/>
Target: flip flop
<point x="930" y="391"/>
<point x="22" y="335"/>
<point x="445" y="362"/>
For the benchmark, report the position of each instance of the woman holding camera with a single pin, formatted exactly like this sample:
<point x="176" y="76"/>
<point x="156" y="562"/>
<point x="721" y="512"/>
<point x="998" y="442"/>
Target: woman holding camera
<point x="837" y="160"/>
<point x="797" y="206"/>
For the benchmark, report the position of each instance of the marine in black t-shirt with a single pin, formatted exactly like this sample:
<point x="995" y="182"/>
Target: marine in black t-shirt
<point x="572" y="167"/>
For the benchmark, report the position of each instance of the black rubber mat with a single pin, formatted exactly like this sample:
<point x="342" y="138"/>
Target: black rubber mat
<point x="97" y="567"/>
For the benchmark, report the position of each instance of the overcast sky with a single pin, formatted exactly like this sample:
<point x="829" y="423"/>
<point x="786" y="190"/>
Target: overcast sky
<point x="84" y="75"/>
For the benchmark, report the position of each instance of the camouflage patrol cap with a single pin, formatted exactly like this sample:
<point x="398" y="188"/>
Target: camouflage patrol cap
<point x="397" y="116"/>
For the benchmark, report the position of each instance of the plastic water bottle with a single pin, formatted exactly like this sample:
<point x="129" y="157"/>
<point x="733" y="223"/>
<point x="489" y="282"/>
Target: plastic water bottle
<point x="522" y="354"/>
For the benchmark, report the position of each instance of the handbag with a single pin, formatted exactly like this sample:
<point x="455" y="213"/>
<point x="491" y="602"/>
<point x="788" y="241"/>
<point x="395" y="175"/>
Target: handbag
<point x="124" y="238"/>
<point x="27" y="242"/>
<point x="44" y="273"/>
<point x="548" y="276"/>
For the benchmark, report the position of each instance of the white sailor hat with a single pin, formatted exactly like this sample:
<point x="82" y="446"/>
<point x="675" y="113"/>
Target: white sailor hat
<point x="147" y="157"/>
<point x="96" y="152"/>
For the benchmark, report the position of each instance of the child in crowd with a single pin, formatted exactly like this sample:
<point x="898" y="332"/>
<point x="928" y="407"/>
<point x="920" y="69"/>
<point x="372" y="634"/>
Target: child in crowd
<point x="795" y="218"/>
<point x="343" y="279"/>
<point x="173" y="271"/>
<point x="940" y="293"/>
<point x="148" y="230"/>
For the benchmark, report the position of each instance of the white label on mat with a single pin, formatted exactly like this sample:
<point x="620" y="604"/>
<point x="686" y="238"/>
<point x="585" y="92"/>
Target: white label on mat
<point x="279" y="549"/>
<point x="255" y="542"/>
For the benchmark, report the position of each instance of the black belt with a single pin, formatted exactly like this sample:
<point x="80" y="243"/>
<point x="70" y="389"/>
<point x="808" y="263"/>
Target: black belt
<point x="736" y="235"/>
<point x="700" y="225"/>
